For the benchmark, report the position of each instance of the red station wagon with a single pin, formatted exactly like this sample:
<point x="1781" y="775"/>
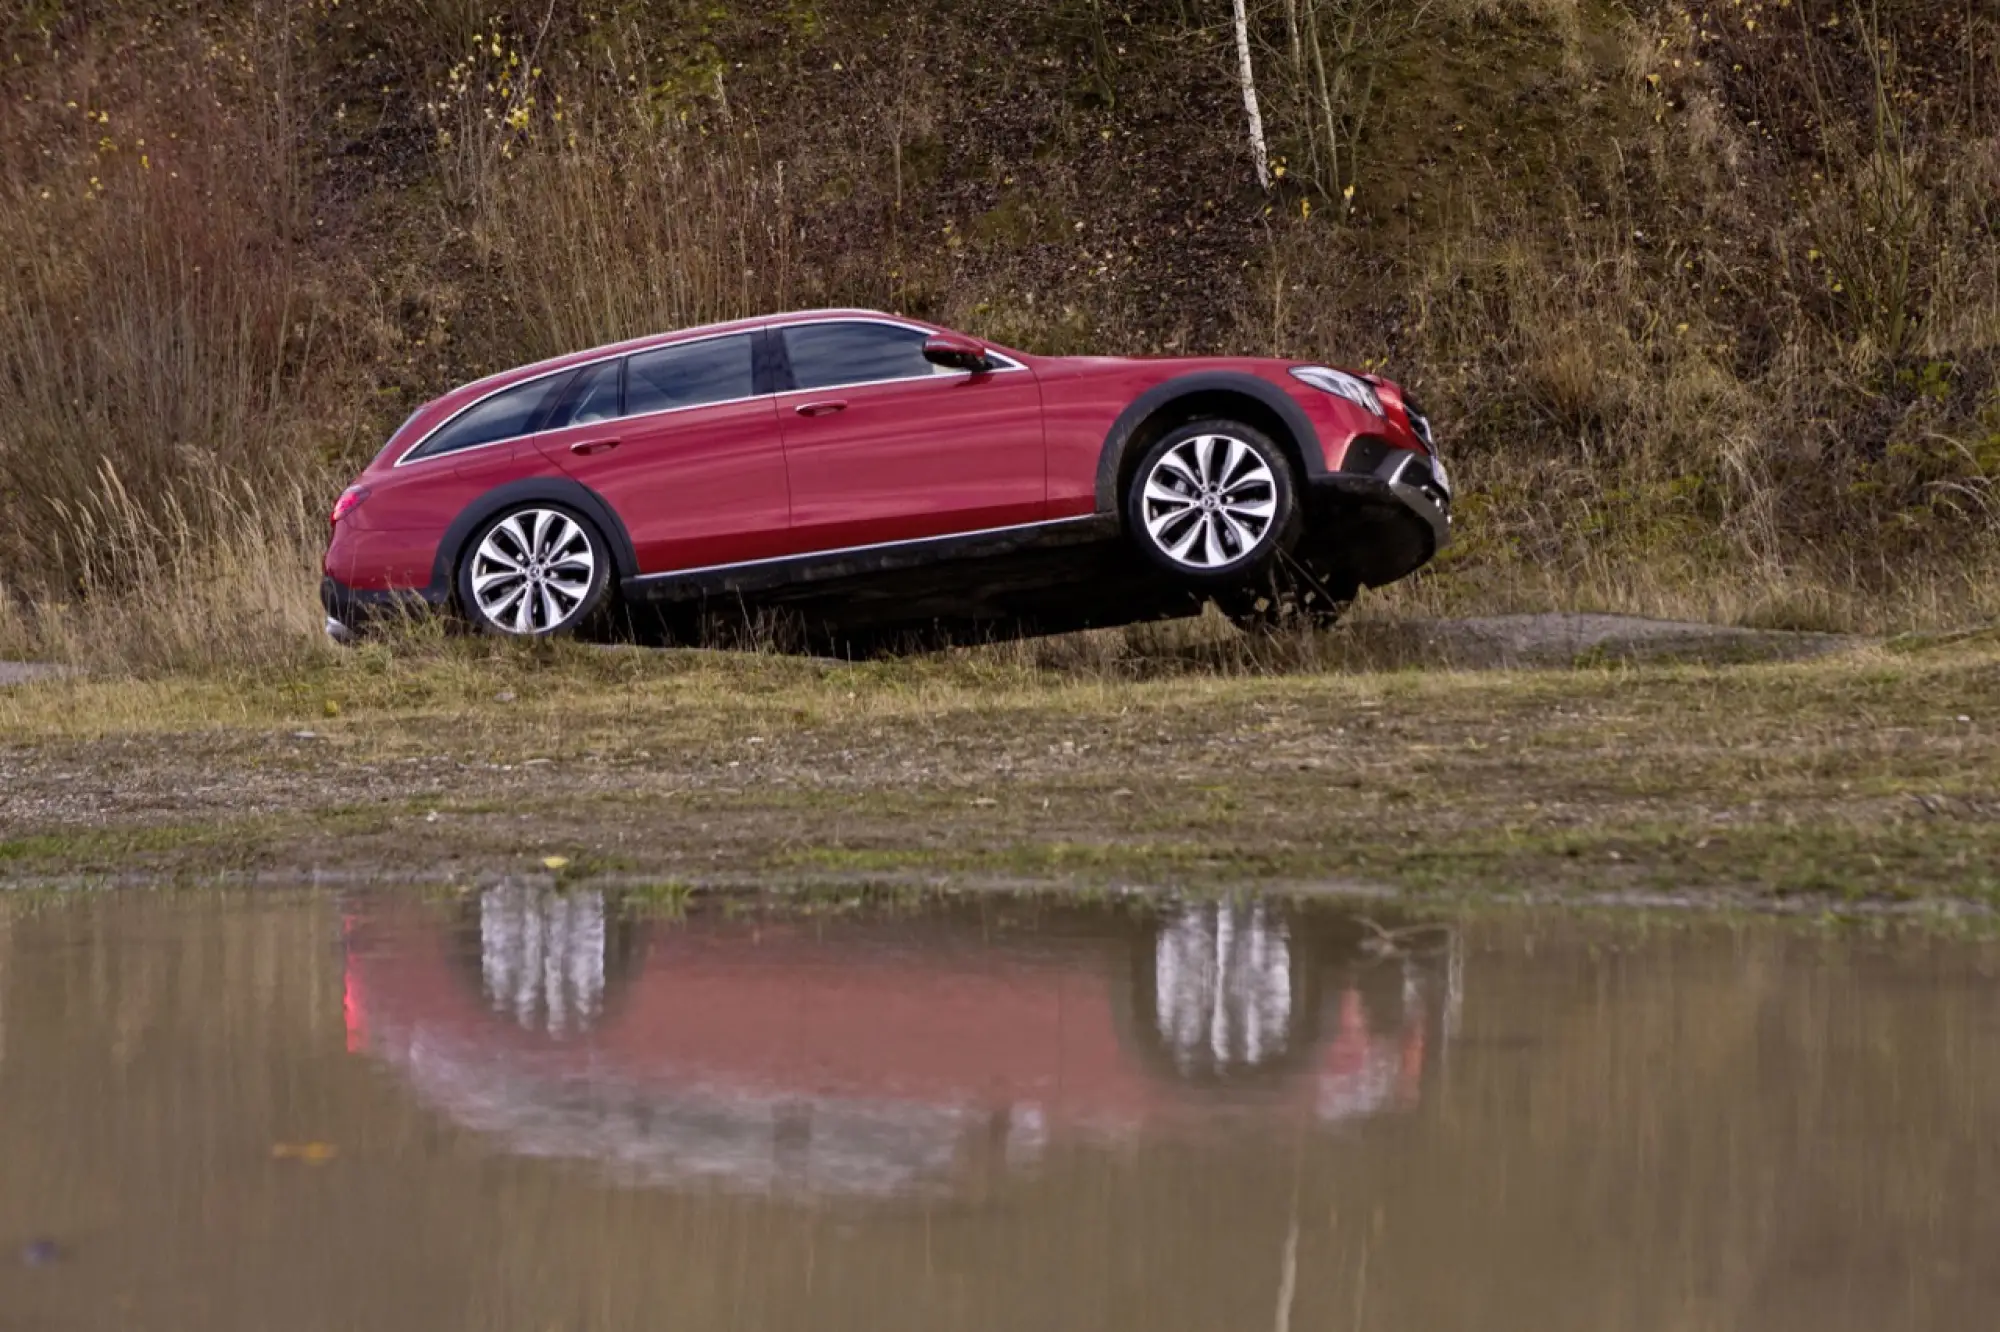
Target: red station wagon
<point x="883" y="473"/>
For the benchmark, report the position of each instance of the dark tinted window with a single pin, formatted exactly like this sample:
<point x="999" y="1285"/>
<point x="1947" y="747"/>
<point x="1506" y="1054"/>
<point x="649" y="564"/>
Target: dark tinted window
<point x="506" y="414"/>
<point x="826" y="355"/>
<point x="715" y="370"/>
<point x="592" y="398"/>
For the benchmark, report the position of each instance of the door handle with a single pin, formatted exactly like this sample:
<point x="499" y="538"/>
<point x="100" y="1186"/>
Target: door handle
<point x="589" y="446"/>
<point x="824" y="407"/>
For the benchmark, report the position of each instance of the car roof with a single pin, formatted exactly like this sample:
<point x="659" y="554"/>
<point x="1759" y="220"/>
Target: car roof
<point x="517" y="373"/>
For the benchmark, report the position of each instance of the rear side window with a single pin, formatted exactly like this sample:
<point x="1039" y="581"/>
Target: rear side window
<point x="592" y="398"/>
<point x="714" y="370"/>
<point x="831" y="354"/>
<point x="506" y="414"/>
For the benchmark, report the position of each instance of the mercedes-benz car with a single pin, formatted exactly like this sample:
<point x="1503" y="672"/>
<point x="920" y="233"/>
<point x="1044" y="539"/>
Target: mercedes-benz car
<point x="880" y="473"/>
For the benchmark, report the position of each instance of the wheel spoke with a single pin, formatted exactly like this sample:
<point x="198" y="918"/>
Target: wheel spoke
<point x="1235" y="458"/>
<point x="1165" y="529"/>
<point x="1259" y="509"/>
<point x="524" y="549"/>
<point x="1179" y="467"/>
<point x="1205" y="448"/>
<point x="1213" y="545"/>
<point x="1181" y="548"/>
<point x="1159" y="494"/>
<point x="1244" y="538"/>
<point x="564" y="536"/>
<point x="484" y="583"/>
<point x="499" y="606"/>
<point x="490" y="552"/>
<point x="551" y="617"/>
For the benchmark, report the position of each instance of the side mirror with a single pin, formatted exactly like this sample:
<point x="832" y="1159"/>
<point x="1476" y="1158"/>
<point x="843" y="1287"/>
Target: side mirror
<point x="955" y="352"/>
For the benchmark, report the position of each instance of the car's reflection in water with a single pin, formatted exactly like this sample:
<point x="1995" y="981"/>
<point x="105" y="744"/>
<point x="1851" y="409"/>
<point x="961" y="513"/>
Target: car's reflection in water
<point x="879" y="1054"/>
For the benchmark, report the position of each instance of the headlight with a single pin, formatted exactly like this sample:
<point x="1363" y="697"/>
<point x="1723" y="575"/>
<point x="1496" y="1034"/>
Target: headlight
<point x="1340" y="384"/>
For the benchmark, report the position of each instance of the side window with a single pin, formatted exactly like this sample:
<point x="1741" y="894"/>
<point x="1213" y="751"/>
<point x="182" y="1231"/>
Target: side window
<point x="831" y="354"/>
<point x="713" y="370"/>
<point x="506" y="414"/>
<point x="592" y="398"/>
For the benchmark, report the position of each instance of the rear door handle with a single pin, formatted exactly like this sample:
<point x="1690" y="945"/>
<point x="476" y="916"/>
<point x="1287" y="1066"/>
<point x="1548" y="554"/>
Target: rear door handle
<point x="824" y="407"/>
<point x="589" y="446"/>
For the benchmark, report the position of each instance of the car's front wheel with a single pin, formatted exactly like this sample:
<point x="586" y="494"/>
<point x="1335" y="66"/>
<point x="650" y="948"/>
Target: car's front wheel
<point x="533" y="571"/>
<point x="1211" y="502"/>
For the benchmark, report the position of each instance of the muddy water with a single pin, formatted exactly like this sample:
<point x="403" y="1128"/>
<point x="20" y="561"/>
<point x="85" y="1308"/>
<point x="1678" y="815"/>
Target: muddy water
<point x="519" y="1111"/>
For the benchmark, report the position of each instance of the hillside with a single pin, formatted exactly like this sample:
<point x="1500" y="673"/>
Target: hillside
<point x="1707" y="299"/>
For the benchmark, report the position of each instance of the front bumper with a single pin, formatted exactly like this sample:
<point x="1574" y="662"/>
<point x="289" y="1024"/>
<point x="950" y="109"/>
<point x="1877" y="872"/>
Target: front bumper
<point x="1384" y="514"/>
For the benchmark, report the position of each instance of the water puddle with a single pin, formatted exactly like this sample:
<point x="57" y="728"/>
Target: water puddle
<point x="528" y="1110"/>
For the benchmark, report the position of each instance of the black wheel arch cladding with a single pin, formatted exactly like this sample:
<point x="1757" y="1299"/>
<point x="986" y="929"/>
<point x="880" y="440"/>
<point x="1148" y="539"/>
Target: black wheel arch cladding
<point x="1192" y="397"/>
<point x="543" y="490"/>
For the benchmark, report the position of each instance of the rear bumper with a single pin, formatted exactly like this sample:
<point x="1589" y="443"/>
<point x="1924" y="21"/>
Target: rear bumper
<point x="349" y="610"/>
<point x="1383" y="515"/>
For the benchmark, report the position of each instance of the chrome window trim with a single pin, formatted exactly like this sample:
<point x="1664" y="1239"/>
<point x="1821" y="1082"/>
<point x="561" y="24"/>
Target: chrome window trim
<point x="873" y="545"/>
<point x="1009" y="365"/>
<point x="568" y="370"/>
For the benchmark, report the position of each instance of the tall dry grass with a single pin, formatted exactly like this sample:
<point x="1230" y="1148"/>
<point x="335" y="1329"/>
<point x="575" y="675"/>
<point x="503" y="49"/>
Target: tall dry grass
<point x="172" y="377"/>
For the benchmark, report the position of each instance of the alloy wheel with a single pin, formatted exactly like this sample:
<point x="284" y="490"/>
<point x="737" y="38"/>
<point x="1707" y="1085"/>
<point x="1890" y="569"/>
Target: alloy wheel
<point x="533" y="571"/>
<point x="1209" y="501"/>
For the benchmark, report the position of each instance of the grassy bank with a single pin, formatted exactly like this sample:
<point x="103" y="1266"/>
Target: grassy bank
<point x="1866" y="774"/>
<point x="1707" y="300"/>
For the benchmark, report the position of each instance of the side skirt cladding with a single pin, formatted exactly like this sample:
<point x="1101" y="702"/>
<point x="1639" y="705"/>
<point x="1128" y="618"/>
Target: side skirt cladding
<point x="868" y="562"/>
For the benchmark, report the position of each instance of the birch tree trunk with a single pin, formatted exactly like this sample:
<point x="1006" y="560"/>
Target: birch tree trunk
<point x="1258" y="153"/>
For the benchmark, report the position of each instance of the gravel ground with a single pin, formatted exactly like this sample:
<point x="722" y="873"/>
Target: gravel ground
<point x="1866" y="773"/>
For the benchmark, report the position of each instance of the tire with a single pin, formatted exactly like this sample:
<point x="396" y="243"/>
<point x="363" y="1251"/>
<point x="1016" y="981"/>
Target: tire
<point x="533" y="571"/>
<point x="1212" y="503"/>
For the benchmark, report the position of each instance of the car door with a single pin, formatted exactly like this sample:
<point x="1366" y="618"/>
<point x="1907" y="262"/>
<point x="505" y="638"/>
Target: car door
<point x="680" y="445"/>
<point x="883" y="446"/>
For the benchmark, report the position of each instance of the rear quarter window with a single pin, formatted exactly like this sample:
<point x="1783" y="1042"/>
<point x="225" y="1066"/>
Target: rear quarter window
<point x="507" y="414"/>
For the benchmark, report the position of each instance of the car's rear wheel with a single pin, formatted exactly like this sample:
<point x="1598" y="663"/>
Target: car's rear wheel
<point x="533" y="571"/>
<point x="1212" y="502"/>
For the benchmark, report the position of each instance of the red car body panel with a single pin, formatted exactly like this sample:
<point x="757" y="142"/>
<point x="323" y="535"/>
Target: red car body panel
<point x="701" y="486"/>
<point x="914" y="458"/>
<point x="751" y="481"/>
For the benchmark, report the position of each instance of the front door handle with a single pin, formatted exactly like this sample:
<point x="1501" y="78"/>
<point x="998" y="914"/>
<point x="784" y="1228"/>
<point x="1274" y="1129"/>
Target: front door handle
<point x="824" y="407"/>
<point x="585" y="447"/>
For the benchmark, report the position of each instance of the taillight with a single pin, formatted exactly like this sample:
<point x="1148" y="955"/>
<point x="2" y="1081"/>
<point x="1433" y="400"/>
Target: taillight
<point x="349" y="497"/>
